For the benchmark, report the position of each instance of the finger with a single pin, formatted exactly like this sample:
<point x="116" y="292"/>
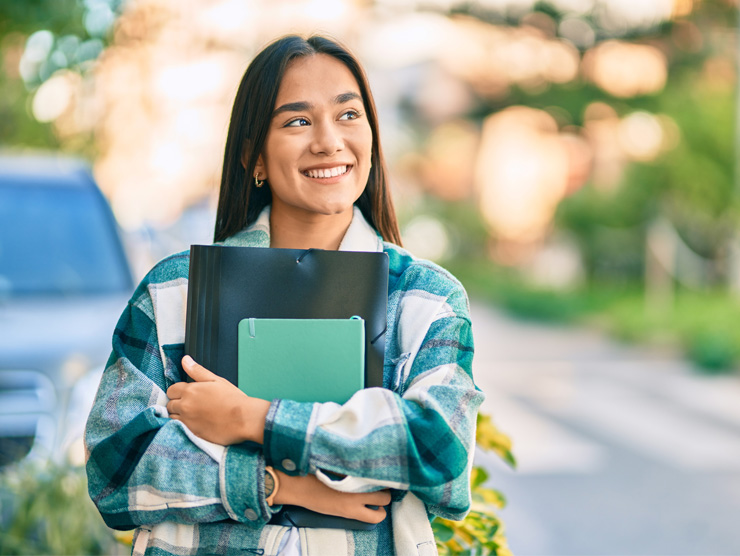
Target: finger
<point x="176" y="390"/>
<point x="368" y="515"/>
<point x="385" y="496"/>
<point x="197" y="372"/>
<point x="172" y="407"/>
<point x="379" y="498"/>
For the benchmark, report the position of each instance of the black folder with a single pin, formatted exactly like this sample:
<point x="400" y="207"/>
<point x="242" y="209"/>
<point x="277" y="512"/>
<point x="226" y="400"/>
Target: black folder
<point x="228" y="284"/>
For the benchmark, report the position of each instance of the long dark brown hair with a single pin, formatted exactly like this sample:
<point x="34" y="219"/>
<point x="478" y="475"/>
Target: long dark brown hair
<point x="240" y="202"/>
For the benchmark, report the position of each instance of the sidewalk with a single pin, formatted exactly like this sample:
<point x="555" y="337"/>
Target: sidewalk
<point x="621" y="449"/>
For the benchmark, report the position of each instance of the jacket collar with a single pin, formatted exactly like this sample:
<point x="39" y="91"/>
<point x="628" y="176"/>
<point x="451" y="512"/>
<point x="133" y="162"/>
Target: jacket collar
<point x="360" y="236"/>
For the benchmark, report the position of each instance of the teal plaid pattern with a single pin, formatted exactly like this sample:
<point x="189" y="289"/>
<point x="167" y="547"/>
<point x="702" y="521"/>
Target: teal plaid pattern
<point x="187" y="496"/>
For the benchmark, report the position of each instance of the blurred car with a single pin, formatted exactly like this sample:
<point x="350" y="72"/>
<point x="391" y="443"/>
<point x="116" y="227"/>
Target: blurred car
<point x="64" y="281"/>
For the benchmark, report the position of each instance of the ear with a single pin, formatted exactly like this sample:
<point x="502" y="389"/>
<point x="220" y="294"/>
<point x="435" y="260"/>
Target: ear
<point x="246" y="153"/>
<point x="260" y="169"/>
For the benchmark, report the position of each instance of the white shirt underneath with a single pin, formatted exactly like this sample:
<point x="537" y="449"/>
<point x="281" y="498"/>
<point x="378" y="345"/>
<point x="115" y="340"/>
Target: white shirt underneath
<point x="290" y="544"/>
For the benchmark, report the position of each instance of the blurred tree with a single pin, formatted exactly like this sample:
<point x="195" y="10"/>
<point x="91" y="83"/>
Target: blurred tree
<point x="18" y="20"/>
<point x="58" y="16"/>
<point x="69" y="35"/>
<point x="692" y="183"/>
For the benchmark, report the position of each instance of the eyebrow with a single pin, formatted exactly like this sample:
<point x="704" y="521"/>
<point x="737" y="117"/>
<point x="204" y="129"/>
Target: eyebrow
<point x="303" y="106"/>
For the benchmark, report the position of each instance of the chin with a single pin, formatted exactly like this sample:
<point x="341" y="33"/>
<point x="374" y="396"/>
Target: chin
<point x="334" y="211"/>
<point x="334" y="208"/>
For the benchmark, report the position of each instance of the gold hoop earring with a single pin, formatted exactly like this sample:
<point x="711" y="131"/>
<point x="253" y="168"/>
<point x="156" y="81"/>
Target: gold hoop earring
<point x="258" y="182"/>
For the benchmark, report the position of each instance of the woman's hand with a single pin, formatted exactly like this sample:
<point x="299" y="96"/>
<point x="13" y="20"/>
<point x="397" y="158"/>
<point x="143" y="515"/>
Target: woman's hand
<point x="214" y="409"/>
<point x="309" y="492"/>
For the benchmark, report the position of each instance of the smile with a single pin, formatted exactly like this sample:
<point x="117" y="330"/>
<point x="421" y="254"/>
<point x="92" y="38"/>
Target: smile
<point x="327" y="172"/>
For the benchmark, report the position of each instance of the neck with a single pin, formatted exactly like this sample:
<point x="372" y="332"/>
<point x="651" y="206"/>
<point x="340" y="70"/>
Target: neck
<point x="311" y="231"/>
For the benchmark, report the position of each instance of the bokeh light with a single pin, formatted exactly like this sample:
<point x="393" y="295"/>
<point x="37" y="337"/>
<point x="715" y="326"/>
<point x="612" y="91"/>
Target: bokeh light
<point x="521" y="173"/>
<point x="625" y="69"/>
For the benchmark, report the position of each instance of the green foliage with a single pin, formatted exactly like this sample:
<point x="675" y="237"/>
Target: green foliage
<point x="540" y="304"/>
<point x="45" y="509"/>
<point x="692" y="184"/>
<point x="700" y="324"/>
<point x="17" y="21"/>
<point x="74" y="46"/>
<point x="59" y="16"/>
<point x="609" y="227"/>
<point x="482" y="532"/>
<point x="505" y="288"/>
<point x="18" y="128"/>
<point x="489" y="437"/>
<point x="714" y="350"/>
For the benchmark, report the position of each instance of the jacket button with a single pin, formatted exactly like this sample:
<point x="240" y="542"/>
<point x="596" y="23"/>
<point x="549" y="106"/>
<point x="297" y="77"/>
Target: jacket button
<point x="250" y="514"/>
<point x="288" y="465"/>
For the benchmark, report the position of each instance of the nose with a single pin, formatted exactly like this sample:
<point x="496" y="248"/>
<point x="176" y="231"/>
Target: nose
<point x="327" y="138"/>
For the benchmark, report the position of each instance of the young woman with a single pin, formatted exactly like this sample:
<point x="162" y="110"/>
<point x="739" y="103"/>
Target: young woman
<point x="303" y="168"/>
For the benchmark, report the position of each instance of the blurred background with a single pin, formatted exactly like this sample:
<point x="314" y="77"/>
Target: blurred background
<point x="573" y="162"/>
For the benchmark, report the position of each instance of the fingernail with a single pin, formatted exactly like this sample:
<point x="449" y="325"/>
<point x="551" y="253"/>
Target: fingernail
<point x="187" y="360"/>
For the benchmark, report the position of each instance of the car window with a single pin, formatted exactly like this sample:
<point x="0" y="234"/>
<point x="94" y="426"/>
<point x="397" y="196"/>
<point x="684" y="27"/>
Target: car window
<point x="58" y="240"/>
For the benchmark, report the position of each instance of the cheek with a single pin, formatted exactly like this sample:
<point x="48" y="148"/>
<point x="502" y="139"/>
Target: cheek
<point x="282" y="174"/>
<point x="368" y="137"/>
<point x="280" y="156"/>
<point x="364" y="144"/>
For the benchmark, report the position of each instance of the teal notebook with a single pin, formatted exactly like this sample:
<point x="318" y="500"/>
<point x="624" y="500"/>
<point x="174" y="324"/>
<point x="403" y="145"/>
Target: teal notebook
<point x="305" y="360"/>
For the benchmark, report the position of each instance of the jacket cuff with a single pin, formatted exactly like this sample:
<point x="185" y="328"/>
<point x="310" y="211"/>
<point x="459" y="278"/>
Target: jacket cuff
<point x="242" y="474"/>
<point x="287" y="432"/>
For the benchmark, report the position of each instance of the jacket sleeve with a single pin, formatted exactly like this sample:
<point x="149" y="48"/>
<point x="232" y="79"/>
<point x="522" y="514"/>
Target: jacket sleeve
<point x="417" y="436"/>
<point x="144" y="468"/>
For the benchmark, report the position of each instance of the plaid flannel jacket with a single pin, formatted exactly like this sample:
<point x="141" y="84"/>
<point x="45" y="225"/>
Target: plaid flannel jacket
<point x="185" y="495"/>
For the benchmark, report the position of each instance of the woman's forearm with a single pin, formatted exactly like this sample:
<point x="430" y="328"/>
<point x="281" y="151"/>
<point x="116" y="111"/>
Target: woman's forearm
<point x="307" y="491"/>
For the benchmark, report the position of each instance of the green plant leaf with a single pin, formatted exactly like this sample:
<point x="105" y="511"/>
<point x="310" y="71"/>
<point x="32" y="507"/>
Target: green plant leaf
<point x="442" y="532"/>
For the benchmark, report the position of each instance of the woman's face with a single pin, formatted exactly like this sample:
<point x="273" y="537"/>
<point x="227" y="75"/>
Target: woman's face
<point x="318" y="149"/>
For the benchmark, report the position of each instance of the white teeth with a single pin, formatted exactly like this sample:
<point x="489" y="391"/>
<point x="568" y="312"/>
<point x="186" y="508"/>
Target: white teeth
<point x="326" y="172"/>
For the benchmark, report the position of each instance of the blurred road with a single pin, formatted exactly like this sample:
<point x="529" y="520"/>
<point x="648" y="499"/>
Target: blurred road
<point x="622" y="451"/>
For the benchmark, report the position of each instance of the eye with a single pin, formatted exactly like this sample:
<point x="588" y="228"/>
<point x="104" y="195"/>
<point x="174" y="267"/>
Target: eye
<point x="350" y="115"/>
<point x="298" y="122"/>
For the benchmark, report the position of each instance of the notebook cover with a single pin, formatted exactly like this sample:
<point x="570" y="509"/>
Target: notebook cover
<point x="305" y="360"/>
<point x="228" y="284"/>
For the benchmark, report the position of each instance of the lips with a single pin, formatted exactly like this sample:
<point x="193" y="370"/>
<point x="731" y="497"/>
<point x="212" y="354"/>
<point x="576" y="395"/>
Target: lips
<point x="332" y="172"/>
